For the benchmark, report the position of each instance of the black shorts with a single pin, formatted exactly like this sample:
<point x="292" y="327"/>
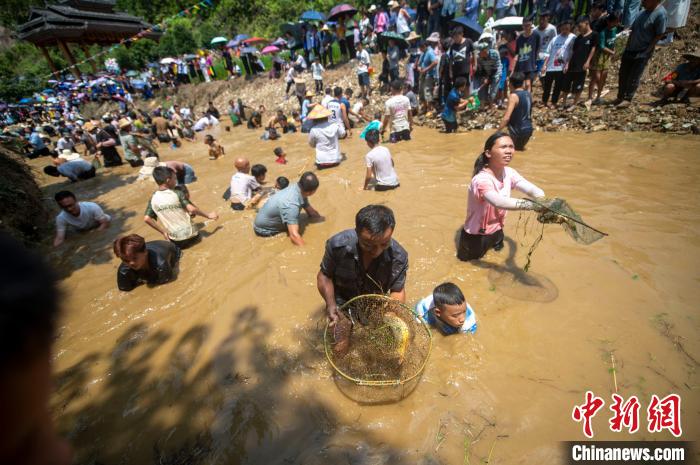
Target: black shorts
<point x="520" y="140"/>
<point x="400" y="135"/>
<point x="475" y="246"/>
<point x="575" y="81"/>
<point x="187" y="242"/>
<point x="382" y="188"/>
<point x="324" y="166"/>
<point x="363" y="79"/>
<point x="530" y="76"/>
<point x="237" y="206"/>
<point x="135" y="163"/>
<point x="87" y="174"/>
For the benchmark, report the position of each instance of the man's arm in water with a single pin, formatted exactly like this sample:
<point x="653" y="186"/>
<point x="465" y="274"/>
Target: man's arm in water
<point x="60" y="237"/>
<point x="104" y="223"/>
<point x="312" y="212"/>
<point x="327" y="291"/>
<point x="294" y="236"/>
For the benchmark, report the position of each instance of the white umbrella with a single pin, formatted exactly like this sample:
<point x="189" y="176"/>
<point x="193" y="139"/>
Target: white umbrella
<point x="219" y="40"/>
<point x="509" y="22"/>
<point x="167" y="61"/>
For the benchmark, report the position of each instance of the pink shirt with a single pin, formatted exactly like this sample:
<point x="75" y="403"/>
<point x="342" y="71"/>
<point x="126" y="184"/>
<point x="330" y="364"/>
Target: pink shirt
<point x="482" y="217"/>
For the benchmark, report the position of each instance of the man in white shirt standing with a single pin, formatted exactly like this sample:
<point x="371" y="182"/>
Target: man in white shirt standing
<point x="397" y="114"/>
<point x="81" y="216"/>
<point x="363" y="62"/>
<point x="380" y="165"/>
<point x="324" y="137"/>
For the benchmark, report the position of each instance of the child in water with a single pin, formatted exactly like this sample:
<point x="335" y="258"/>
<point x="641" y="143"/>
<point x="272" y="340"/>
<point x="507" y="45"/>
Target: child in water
<point x="375" y="124"/>
<point x="216" y="150"/>
<point x="447" y="310"/>
<point x="281" y="156"/>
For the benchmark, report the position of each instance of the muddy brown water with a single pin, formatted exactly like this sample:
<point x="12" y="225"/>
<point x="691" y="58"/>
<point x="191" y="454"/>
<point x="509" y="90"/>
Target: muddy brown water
<point x="226" y="364"/>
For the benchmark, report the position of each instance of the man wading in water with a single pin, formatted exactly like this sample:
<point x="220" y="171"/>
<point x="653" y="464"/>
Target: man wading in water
<point x="364" y="260"/>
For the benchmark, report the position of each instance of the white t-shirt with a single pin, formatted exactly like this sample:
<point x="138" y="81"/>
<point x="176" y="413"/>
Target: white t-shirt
<point x="326" y="100"/>
<point x="242" y="187"/>
<point x="546" y="36"/>
<point x="169" y="207"/>
<point x="317" y="71"/>
<point x="379" y="159"/>
<point x="89" y="217"/>
<point x="398" y="107"/>
<point x="363" y="61"/>
<point x="64" y="143"/>
<point x="559" y="51"/>
<point x="205" y="121"/>
<point x="324" y="137"/>
<point x="336" y="112"/>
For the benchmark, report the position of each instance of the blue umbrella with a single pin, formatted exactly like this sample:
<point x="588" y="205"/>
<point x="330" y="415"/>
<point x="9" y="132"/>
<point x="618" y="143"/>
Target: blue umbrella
<point x="312" y="15"/>
<point x="412" y="13"/>
<point x="472" y="29"/>
<point x="47" y="91"/>
<point x="241" y="37"/>
<point x="26" y="100"/>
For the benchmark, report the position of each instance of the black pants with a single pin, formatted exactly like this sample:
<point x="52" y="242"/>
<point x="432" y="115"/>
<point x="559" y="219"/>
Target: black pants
<point x="527" y="6"/>
<point x="39" y="153"/>
<point x="188" y="242"/>
<point x="350" y="45"/>
<point x="87" y="174"/>
<point x="450" y="126"/>
<point x="289" y="86"/>
<point x="135" y="163"/>
<point x="554" y="78"/>
<point x="475" y="246"/>
<point x="319" y="86"/>
<point x="445" y="24"/>
<point x="631" y="70"/>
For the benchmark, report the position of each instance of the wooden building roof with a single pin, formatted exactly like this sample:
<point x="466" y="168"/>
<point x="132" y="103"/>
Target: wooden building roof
<point x="85" y="21"/>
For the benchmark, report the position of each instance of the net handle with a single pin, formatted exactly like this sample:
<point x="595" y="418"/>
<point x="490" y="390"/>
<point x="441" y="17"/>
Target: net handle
<point x="567" y="217"/>
<point x="361" y="382"/>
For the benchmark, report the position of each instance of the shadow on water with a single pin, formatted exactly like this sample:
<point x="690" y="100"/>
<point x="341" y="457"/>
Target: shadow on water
<point x="511" y="280"/>
<point x="196" y="406"/>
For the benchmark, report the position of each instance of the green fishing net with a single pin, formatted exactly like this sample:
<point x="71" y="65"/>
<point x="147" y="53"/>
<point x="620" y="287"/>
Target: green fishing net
<point x="558" y="211"/>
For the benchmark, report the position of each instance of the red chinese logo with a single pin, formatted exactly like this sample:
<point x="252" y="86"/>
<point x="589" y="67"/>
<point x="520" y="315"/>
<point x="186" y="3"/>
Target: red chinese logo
<point x="626" y="414"/>
<point x="586" y="411"/>
<point x="665" y="414"/>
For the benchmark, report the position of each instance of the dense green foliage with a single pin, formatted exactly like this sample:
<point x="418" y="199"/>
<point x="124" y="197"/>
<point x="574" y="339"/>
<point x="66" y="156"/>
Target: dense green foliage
<point x="23" y="68"/>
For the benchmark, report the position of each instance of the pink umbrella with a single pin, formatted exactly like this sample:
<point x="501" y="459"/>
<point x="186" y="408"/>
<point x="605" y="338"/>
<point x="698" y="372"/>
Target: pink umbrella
<point x="270" y="49"/>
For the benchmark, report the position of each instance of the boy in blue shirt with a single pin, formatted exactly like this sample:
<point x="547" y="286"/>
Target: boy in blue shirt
<point x="453" y="104"/>
<point x="447" y="310"/>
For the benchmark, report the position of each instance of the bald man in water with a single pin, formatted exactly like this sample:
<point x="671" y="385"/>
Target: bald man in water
<point x="243" y="186"/>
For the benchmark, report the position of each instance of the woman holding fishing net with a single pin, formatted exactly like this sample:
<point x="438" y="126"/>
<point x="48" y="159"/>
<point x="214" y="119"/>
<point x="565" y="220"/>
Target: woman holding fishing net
<point x="489" y="198"/>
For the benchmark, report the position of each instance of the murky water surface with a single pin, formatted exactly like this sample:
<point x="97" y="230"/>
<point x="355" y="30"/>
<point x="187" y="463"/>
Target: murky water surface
<point x="225" y="365"/>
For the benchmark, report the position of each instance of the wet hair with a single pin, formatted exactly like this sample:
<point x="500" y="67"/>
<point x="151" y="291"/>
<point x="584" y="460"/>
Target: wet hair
<point x="517" y="79"/>
<point x="282" y="182"/>
<point x="258" y="170"/>
<point x="374" y="218"/>
<point x="460" y="82"/>
<point x="278" y="151"/>
<point x="308" y="182"/>
<point x="126" y="247"/>
<point x="447" y="294"/>
<point x="29" y="304"/>
<point x="63" y="195"/>
<point x="208" y="139"/>
<point x="372" y="136"/>
<point x="51" y="171"/>
<point x="378" y="115"/>
<point x="482" y="161"/>
<point x="338" y="92"/>
<point x="397" y="85"/>
<point x="161" y="174"/>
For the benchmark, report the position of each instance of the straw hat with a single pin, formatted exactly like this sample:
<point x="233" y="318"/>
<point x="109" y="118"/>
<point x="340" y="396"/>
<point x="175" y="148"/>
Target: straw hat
<point x="309" y="94"/>
<point x="372" y="8"/>
<point x="412" y="36"/>
<point x="319" y="112"/>
<point x="434" y="38"/>
<point x="149" y="164"/>
<point x="392" y="4"/>
<point x="124" y="123"/>
<point x="89" y="126"/>
<point x="325" y="28"/>
<point x="69" y="155"/>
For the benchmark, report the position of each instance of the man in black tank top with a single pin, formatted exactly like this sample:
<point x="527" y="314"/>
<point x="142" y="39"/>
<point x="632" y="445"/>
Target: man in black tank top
<point x="518" y="114"/>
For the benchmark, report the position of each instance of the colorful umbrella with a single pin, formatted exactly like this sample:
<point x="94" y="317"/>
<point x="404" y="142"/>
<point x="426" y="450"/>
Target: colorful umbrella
<point x="270" y="49"/>
<point x="471" y="28"/>
<point x="255" y="40"/>
<point x="218" y="40"/>
<point x="343" y="9"/>
<point x="241" y="37"/>
<point x="312" y="15"/>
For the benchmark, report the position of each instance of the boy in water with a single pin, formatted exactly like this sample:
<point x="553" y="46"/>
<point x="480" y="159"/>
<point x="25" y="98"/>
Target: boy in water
<point x="518" y="115"/>
<point x="447" y="310"/>
<point x="216" y="150"/>
<point x="454" y="104"/>
<point x="281" y="156"/>
<point x="243" y="185"/>
<point x="380" y="165"/>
